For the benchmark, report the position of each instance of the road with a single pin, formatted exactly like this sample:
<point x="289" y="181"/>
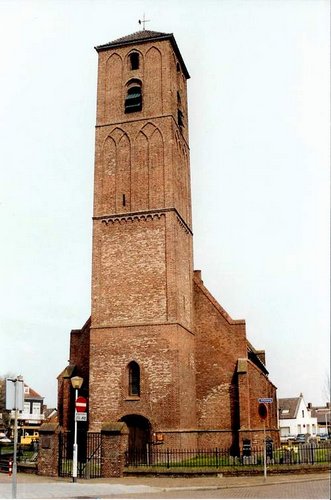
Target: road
<point x="280" y="486"/>
<point x="314" y="489"/>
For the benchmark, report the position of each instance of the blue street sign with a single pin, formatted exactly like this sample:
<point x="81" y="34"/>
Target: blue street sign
<point x="265" y="400"/>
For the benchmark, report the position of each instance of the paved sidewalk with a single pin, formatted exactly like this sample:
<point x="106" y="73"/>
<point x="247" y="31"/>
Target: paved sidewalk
<point x="32" y="486"/>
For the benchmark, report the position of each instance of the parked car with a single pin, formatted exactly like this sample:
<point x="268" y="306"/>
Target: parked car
<point x="287" y="439"/>
<point x="302" y="438"/>
<point x="323" y="437"/>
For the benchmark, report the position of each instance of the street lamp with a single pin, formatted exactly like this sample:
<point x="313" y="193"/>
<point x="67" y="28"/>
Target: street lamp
<point x="76" y="383"/>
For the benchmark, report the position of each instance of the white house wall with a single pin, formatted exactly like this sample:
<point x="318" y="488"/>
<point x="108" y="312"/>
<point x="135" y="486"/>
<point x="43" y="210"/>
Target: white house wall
<point x="304" y="423"/>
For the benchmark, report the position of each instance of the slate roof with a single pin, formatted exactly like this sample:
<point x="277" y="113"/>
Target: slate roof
<point x="136" y="37"/>
<point x="322" y="413"/>
<point x="291" y="404"/>
<point x="253" y="355"/>
<point x="144" y="36"/>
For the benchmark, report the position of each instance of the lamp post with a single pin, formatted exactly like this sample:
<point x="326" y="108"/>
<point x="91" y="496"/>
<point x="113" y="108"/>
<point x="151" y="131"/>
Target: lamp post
<point x="76" y="383"/>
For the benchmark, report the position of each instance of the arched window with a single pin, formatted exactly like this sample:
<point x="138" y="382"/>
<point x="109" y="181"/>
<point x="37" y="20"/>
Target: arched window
<point x="133" y="100"/>
<point x="134" y="60"/>
<point x="134" y="379"/>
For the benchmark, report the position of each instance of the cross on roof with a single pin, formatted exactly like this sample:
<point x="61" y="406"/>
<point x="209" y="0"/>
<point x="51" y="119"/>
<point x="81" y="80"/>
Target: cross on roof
<point x="144" y="21"/>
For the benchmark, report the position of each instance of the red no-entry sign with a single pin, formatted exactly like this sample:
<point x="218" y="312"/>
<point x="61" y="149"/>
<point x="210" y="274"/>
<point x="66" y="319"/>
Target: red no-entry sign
<point x="81" y="404"/>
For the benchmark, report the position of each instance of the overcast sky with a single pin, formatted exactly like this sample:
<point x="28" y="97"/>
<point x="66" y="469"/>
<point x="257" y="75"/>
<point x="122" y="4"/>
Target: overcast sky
<point x="259" y="138"/>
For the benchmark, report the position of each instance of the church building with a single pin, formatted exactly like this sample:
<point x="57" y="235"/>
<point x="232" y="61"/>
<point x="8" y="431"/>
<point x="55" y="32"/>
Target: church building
<point x="158" y="352"/>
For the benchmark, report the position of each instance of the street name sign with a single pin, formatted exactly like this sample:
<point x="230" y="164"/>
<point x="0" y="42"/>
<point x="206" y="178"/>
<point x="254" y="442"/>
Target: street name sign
<point x="265" y="400"/>
<point x="81" y="417"/>
<point x="14" y="394"/>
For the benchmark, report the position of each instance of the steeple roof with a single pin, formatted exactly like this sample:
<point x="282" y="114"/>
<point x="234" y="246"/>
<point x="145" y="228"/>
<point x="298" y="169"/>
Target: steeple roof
<point x="136" y="37"/>
<point x="142" y="37"/>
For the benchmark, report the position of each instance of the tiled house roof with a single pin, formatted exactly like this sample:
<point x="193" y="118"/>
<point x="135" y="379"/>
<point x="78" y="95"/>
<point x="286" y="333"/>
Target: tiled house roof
<point x="322" y="413"/>
<point x="31" y="394"/>
<point x="288" y="407"/>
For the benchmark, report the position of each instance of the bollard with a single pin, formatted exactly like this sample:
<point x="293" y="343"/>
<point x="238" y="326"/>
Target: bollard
<point x="10" y="467"/>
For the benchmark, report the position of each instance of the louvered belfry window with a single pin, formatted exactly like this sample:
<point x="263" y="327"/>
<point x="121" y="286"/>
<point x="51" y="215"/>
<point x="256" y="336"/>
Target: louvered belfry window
<point x="133" y="100"/>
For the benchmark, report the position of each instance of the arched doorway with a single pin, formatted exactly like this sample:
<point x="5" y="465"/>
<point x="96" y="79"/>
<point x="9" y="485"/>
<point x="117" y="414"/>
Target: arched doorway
<point x="139" y="431"/>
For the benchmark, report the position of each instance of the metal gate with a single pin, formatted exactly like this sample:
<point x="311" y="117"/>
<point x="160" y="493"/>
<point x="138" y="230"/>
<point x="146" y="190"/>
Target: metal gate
<point x="89" y="454"/>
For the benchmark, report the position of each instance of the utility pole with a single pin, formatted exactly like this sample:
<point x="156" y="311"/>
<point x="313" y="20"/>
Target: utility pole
<point x="15" y="401"/>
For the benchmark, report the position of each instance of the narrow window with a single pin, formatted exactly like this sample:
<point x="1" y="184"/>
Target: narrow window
<point x="178" y="99"/>
<point x="178" y="67"/>
<point x="133" y="100"/>
<point x="180" y="118"/>
<point x="303" y="413"/>
<point x="123" y="200"/>
<point x="134" y="379"/>
<point x="134" y="60"/>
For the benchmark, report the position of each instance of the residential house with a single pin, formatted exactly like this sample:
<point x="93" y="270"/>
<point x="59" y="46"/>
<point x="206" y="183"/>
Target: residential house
<point x="32" y="416"/>
<point x="323" y="415"/>
<point x="295" y="417"/>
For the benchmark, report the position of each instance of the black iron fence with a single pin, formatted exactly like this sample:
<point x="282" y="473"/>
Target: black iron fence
<point x="171" y="458"/>
<point x="89" y="454"/>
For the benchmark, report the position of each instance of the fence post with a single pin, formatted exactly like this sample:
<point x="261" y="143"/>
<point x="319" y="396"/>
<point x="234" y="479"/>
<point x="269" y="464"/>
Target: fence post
<point x="48" y="454"/>
<point x="168" y="458"/>
<point x="114" y="439"/>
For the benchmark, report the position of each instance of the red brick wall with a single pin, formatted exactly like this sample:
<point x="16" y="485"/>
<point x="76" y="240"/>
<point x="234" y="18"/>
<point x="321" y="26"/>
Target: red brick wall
<point x="219" y="342"/>
<point x="167" y="392"/>
<point x="226" y="397"/>
<point x="79" y="365"/>
<point x="80" y="351"/>
<point x="254" y="385"/>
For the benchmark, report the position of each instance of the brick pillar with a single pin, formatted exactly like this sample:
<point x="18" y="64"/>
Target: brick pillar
<point x="114" y="439"/>
<point x="48" y="456"/>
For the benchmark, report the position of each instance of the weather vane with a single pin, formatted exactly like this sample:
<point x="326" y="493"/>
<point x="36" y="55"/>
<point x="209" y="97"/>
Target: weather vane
<point x="143" y="22"/>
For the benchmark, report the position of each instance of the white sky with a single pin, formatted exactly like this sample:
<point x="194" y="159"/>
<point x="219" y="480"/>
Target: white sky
<point x="259" y="137"/>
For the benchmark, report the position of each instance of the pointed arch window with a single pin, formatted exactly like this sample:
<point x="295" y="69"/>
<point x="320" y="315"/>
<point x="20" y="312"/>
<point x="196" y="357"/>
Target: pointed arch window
<point x="134" y="379"/>
<point x="133" y="100"/>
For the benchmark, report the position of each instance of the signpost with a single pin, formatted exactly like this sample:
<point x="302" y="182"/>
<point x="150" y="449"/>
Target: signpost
<point x="15" y="401"/>
<point x="80" y="406"/>
<point x="263" y="413"/>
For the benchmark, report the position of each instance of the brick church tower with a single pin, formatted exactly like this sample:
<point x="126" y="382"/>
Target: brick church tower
<point x="158" y="353"/>
<point x="141" y="341"/>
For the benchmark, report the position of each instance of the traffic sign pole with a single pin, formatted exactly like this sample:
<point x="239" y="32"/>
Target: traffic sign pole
<point x="263" y="412"/>
<point x="75" y="447"/>
<point x="264" y="453"/>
